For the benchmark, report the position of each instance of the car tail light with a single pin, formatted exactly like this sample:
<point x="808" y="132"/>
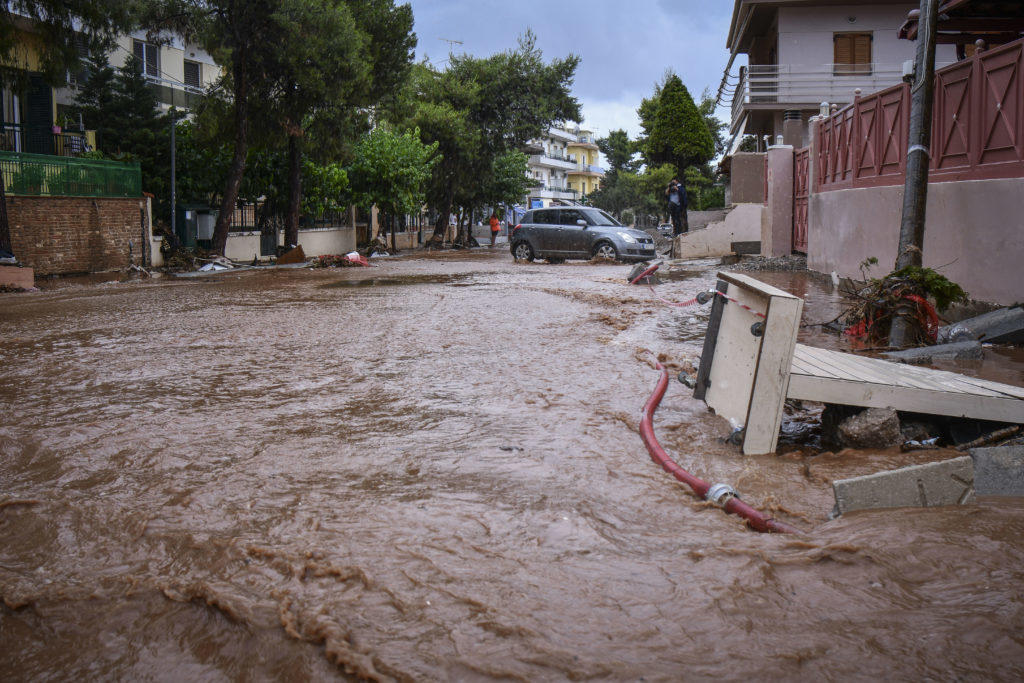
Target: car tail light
<point x="516" y="228"/>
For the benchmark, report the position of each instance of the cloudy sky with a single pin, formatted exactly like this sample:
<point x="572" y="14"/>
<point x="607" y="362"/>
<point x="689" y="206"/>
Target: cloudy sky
<point x="625" y="45"/>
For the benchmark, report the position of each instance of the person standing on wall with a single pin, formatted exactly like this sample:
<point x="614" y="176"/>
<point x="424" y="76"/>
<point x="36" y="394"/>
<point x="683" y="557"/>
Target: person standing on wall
<point x="676" y="196"/>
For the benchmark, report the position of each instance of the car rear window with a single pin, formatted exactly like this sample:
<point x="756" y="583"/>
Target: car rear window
<point x="546" y="216"/>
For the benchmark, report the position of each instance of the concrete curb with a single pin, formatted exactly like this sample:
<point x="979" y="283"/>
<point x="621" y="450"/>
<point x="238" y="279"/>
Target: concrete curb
<point x="996" y="471"/>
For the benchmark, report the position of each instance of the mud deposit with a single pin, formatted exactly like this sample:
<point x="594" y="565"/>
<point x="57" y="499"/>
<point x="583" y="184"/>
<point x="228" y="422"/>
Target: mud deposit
<point x="281" y="475"/>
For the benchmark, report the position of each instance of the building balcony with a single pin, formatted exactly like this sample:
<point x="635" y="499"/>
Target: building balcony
<point x="552" y="160"/>
<point x="16" y="137"/>
<point x="588" y="170"/>
<point x="585" y="142"/>
<point x="564" y="136"/>
<point x="550" y="192"/>
<point x="791" y="86"/>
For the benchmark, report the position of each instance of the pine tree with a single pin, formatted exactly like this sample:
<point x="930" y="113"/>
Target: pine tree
<point x="677" y="133"/>
<point x="133" y="127"/>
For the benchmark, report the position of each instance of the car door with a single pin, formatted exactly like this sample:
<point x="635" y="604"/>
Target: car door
<point x="574" y="238"/>
<point x="544" y="231"/>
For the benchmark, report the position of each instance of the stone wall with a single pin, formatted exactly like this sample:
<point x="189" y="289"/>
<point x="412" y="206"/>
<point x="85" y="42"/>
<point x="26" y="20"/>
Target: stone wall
<point x="61" y="235"/>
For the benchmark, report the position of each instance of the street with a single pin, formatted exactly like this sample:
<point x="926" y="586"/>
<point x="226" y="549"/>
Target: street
<point x="430" y="470"/>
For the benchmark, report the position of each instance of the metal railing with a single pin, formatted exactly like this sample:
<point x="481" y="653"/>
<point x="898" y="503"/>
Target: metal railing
<point x="46" y="175"/>
<point x="15" y="137"/>
<point x="810" y="85"/>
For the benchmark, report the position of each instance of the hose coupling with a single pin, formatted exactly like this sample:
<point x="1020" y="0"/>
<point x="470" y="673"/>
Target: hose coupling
<point x="720" y="494"/>
<point x="704" y="297"/>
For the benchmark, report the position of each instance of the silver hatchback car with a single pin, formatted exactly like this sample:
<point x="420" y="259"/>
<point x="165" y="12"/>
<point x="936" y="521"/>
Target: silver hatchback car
<point x="578" y="232"/>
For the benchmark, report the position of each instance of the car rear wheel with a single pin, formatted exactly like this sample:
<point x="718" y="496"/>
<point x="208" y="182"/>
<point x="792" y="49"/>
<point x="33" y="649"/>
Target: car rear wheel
<point x="522" y="251"/>
<point x="605" y="250"/>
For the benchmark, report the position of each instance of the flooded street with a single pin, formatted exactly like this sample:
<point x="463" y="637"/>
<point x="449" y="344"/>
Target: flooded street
<point x="430" y="470"/>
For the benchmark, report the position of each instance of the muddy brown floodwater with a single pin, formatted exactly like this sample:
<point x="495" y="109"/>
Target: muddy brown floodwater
<point x="431" y="471"/>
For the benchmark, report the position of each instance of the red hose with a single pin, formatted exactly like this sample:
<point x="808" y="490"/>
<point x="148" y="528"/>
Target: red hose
<point x="755" y="518"/>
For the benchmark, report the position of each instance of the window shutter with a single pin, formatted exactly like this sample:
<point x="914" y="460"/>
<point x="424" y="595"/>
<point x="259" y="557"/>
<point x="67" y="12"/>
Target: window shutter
<point x="852" y="53"/>
<point x="843" y="49"/>
<point x="137" y="50"/>
<point x="192" y="72"/>
<point x="152" y="60"/>
<point x="862" y="48"/>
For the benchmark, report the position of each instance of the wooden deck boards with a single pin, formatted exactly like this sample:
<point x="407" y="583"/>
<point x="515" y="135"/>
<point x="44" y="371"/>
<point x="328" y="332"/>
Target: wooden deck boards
<point x="835" y="377"/>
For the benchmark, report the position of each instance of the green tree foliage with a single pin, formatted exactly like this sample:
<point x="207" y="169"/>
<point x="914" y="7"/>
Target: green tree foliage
<point x="619" y="150"/>
<point x="479" y="110"/>
<point x="391" y="170"/>
<point x="333" y="60"/>
<point x="715" y="126"/>
<point x="318" y="63"/>
<point x="675" y="132"/>
<point x="294" y="65"/>
<point x="124" y="110"/>
<point x="507" y="181"/>
<point x="59" y="26"/>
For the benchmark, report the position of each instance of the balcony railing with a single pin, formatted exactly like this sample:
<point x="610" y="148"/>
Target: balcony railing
<point x="554" y="160"/>
<point x="807" y="86"/>
<point x="15" y="137"/>
<point x="39" y="175"/>
<point x="552" y="188"/>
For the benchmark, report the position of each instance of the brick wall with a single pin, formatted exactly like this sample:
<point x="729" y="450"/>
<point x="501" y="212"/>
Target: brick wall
<point x="59" y="235"/>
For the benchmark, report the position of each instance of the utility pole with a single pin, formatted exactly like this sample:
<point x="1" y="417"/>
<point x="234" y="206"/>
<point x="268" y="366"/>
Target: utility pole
<point x="174" y="175"/>
<point x="915" y="190"/>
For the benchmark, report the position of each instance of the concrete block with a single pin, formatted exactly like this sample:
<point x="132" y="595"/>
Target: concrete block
<point x="949" y="482"/>
<point x="999" y="471"/>
<point x="962" y="350"/>
<point x="1002" y="326"/>
<point x="13" y="276"/>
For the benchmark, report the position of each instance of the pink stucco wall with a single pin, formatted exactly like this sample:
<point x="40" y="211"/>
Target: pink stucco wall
<point x="974" y="230"/>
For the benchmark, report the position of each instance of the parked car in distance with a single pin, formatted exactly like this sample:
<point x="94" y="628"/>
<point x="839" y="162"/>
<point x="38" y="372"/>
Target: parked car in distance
<point x="665" y="229"/>
<point x="577" y="232"/>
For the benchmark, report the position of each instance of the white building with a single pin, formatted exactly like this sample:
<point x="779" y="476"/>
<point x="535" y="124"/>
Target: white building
<point x="179" y="71"/>
<point x="550" y="166"/>
<point x="801" y="53"/>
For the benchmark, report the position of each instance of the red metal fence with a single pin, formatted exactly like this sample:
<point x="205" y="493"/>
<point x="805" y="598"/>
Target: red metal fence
<point x="801" y="192"/>
<point x="977" y="127"/>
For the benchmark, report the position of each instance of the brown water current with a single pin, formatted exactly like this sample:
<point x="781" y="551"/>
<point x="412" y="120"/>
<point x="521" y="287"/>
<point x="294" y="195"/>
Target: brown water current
<point x="430" y="470"/>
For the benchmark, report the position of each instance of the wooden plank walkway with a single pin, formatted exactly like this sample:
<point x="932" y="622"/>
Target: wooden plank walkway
<point x="834" y="377"/>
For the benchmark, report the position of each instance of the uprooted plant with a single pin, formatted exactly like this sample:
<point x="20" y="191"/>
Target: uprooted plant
<point x="913" y="292"/>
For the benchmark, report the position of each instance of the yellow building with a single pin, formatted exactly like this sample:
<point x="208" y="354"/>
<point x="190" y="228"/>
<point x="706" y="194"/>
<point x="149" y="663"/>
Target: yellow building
<point x="587" y="175"/>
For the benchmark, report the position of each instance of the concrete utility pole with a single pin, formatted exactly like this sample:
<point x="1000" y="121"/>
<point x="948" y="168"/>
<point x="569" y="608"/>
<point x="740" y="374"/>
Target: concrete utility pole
<point x="915" y="190"/>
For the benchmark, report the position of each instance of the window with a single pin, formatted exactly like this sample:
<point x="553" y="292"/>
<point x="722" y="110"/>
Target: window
<point x="597" y="217"/>
<point x="149" y="55"/>
<point x="546" y="217"/>
<point x="852" y="54"/>
<point x="80" y="44"/>
<point x="193" y="75"/>
<point x="570" y="216"/>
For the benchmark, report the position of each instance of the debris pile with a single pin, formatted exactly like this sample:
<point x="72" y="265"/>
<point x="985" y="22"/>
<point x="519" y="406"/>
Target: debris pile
<point x="349" y="260"/>
<point x="907" y="293"/>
